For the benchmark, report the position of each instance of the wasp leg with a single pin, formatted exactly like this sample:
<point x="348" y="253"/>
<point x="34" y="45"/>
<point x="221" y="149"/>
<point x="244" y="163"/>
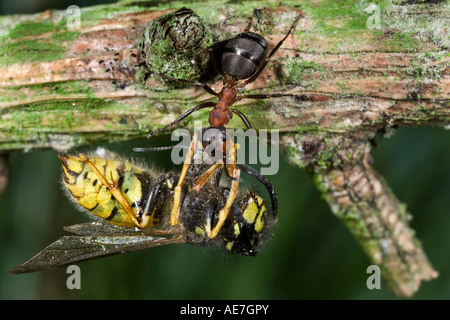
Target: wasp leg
<point x="234" y="173"/>
<point x="157" y="196"/>
<point x="174" y="215"/>
<point x="115" y="191"/>
<point x="230" y="177"/>
<point x="232" y="157"/>
<point x="226" y="209"/>
<point x="206" y="176"/>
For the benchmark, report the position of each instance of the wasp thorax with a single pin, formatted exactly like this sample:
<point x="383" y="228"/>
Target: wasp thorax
<point x="243" y="54"/>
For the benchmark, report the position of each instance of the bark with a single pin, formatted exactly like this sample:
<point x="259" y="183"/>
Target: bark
<point x="61" y="87"/>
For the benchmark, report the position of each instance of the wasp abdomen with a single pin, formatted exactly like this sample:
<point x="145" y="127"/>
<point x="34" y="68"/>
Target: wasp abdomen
<point x="244" y="235"/>
<point x="87" y="190"/>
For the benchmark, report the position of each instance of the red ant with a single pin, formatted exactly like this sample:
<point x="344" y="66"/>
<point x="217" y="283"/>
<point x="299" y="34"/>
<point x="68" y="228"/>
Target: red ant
<point x="243" y="57"/>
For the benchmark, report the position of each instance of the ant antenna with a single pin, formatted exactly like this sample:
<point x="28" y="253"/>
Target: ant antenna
<point x="151" y="149"/>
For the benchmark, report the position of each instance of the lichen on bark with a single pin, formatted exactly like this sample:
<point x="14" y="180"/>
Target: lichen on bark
<point x="176" y="45"/>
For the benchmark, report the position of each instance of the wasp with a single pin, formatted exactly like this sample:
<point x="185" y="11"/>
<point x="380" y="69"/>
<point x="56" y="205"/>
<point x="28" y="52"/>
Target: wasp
<point x="118" y="192"/>
<point x="222" y="142"/>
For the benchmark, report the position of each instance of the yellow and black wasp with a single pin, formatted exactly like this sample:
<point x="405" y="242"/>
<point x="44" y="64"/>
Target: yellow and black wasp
<point x="139" y="204"/>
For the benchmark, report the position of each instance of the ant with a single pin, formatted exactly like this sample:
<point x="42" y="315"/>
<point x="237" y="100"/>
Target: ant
<point x="242" y="57"/>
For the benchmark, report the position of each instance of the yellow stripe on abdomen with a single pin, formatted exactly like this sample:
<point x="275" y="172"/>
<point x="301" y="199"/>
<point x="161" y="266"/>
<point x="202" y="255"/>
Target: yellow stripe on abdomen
<point x="89" y="192"/>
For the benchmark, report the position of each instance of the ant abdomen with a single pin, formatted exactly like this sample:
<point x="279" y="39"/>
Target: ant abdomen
<point x="243" y="54"/>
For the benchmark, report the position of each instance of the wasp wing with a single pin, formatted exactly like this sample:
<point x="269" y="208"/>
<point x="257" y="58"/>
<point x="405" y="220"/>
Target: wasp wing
<point x="93" y="240"/>
<point x="100" y="229"/>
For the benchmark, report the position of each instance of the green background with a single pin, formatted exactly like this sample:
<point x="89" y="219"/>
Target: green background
<point x="312" y="255"/>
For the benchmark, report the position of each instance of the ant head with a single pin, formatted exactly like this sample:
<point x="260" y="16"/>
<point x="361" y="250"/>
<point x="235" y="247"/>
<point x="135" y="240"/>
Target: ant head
<point x="214" y="134"/>
<point x="215" y="138"/>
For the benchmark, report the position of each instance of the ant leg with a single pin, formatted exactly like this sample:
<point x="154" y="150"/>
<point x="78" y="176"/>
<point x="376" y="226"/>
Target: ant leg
<point x="243" y="117"/>
<point x="191" y="82"/>
<point x="175" y="213"/>
<point x="113" y="188"/>
<point x="216" y="63"/>
<point x="207" y="104"/>
<point x="269" y="186"/>
<point x="267" y="95"/>
<point x="208" y="174"/>
<point x="264" y="63"/>
<point x="282" y="40"/>
<point x="303" y="97"/>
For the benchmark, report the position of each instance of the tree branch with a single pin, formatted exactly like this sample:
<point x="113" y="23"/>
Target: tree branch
<point x="342" y="170"/>
<point x="61" y="88"/>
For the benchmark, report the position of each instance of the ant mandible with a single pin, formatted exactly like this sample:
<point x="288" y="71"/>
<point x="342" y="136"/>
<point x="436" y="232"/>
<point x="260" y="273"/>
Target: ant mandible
<point x="243" y="57"/>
